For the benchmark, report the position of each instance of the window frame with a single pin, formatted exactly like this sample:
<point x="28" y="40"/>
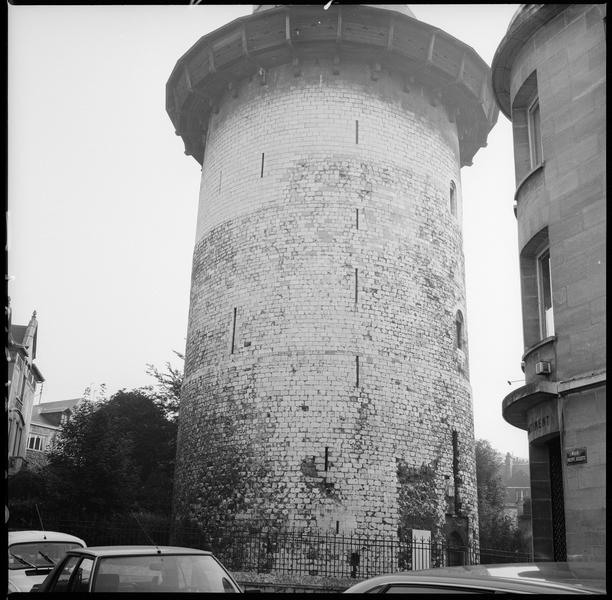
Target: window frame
<point x="41" y="439"/>
<point x="70" y="558"/>
<point x="17" y="440"/>
<point x="533" y="128"/>
<point x="543" y="257"/>
<point x="78" y="572"/>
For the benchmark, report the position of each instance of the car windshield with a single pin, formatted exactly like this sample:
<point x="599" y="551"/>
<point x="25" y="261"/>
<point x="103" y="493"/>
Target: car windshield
<point x="167" y="573"/>
<point x="37" y="554"/>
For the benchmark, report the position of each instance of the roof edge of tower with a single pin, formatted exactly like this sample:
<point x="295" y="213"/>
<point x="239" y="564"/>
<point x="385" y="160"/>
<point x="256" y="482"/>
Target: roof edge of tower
<point x="451" y="69"/>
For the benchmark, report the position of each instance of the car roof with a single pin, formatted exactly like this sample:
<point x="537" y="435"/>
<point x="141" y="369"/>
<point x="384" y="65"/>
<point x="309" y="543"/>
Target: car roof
<point x="510" y="576"/>
<point x="22" y="537"/>
<point x="136" y="550"/>
<point x="483" y="585"/>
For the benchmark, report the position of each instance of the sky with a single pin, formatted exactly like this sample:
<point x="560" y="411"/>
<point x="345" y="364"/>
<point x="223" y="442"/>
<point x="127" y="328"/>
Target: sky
<point x="103" y="201"/>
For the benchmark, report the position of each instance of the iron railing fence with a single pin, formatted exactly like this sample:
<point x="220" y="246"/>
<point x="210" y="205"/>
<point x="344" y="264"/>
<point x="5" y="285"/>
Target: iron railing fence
<point x="335" y="555"/>
<point x="292" y="552"/>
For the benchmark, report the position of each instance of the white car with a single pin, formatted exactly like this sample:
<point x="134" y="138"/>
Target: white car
<point x="33" y="554"/>
<point x="143" y="569"/>
<point x="516" y="578"/>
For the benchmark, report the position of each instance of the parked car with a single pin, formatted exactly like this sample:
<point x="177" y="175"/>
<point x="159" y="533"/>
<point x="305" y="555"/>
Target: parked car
<point x="519" y="578"/>
<point x="32" y="555"/>
<point x="139" y="569"/>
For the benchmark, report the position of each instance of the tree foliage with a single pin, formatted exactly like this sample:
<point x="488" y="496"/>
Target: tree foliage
<point x="489" y="463"/>
<point x="111" y="457"/>
<point x="496" y="530"/>
<point x="167" y="392"/>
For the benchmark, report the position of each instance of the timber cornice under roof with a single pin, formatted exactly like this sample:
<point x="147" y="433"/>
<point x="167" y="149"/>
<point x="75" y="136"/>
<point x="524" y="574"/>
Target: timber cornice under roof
<point x="452" y="71"/>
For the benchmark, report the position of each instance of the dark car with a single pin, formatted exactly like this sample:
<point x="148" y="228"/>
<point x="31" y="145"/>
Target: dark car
<point x="518" y="578"/>
<point x="139" y="569"/>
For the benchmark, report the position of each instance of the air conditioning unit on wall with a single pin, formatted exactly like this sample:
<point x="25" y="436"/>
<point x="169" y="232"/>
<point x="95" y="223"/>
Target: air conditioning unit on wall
<point x="542" y="368"/>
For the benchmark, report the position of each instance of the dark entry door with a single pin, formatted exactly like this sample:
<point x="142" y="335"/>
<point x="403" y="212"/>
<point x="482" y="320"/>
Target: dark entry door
<point x="556" y="499"/>
<point x="456" y="550"/>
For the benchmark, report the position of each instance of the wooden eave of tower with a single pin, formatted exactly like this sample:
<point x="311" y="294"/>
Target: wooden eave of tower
<point x="452" y="72"/>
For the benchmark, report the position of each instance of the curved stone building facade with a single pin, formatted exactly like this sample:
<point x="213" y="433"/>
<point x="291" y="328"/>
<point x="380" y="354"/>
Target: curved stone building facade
<point x="549" y="79"/>
<point x="326" y="377"/>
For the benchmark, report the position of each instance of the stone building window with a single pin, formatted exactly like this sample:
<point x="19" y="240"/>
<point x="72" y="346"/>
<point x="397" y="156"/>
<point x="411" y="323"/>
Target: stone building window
<point x="547" y="325"/>
<point x="37" y="442"/>
<point x="17" y="441"/>
<point x="16" y="426"/>
<point x="526" y="128"/>
<point x="536" y="289"/>
<point x="453" y="199"/>
<point x="535" y="135"/>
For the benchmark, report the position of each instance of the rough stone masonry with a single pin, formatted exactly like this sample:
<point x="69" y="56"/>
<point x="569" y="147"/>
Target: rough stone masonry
<point x="326" y="378"/>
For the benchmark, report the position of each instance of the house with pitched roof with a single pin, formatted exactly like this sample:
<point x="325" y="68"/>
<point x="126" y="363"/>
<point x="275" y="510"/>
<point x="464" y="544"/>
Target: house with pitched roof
<point x="23" y="379"/>
<point x="47" y="419"/>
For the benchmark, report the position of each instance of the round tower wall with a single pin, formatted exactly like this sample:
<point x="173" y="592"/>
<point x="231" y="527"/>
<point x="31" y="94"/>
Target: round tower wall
<point x="322" y="379"/>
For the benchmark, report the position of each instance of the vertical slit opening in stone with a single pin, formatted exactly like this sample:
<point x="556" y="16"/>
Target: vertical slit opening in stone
<point x="233" y="331"/>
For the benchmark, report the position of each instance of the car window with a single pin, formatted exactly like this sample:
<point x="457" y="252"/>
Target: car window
<point x="374" y="590"/>
<point x="38" y="554"/>
<point x="429" y="589"/>
<point x="81" y="577"/>
<point x="165" y="573"/>
<point x="63" y="577"/>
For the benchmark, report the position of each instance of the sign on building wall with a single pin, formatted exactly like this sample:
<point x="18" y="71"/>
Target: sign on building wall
<point x="421" y="549"/>
<point x="576" y="456"/>
<point x="542" y="420"/>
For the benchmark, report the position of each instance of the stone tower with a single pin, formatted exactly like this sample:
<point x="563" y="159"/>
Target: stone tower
<point x="326" y="379"/>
